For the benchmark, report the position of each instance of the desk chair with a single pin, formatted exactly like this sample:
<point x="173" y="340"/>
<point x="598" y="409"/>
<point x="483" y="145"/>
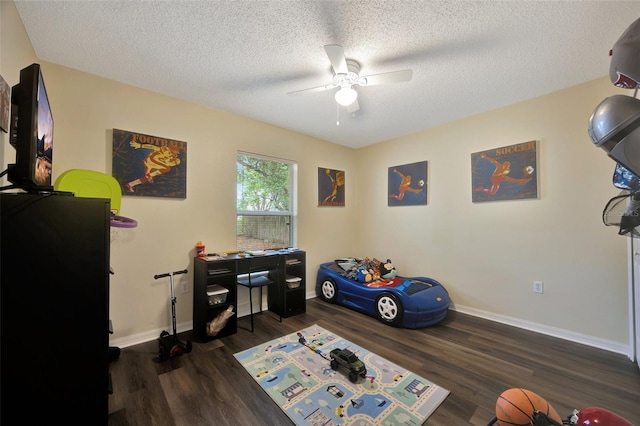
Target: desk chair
<point x="250" y="279"/>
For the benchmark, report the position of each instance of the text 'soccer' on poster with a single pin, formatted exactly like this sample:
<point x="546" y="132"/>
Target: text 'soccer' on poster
<point x="149" y="166"/>
<point x="506" y="173"/>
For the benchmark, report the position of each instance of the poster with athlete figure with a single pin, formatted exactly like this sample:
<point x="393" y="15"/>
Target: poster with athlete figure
<point x="330" y="187"/>
<point x="408" y="185"/>
<point x="506" y="173"/>
<point x="149" y="166"/>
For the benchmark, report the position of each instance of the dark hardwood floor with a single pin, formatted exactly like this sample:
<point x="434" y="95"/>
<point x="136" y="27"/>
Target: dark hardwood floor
<point x="473" y="358"/>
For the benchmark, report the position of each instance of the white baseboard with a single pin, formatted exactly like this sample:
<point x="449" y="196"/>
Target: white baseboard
<point x="135" y="339"/>
<point x="147" y="336"/>
<point x="571" y="336"/>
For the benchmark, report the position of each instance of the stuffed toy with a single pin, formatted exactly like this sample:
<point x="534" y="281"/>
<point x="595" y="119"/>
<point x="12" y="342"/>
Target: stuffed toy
<point x="363" y="275"/>
<point x="375" y="274"/>
<point x="387" y="270"/>
<point x="373" y="264"/>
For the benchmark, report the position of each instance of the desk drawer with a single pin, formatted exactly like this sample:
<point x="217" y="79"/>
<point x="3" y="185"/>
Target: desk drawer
<point x="221" y="268"/>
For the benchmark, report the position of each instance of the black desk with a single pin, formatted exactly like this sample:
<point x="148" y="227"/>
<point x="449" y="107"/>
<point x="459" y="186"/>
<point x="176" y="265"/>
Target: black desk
<point x="283" y="299"/>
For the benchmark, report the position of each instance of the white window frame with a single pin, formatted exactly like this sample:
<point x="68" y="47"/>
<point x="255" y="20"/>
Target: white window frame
<point x="293" y="197"/>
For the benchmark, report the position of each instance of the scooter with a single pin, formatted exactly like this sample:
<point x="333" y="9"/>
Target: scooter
<point x="169" y="346"/>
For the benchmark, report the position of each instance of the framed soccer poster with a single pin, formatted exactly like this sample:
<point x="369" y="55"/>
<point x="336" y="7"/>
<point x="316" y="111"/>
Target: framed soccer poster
<point x="407" y="185"/>
<point x="506" y="173"/>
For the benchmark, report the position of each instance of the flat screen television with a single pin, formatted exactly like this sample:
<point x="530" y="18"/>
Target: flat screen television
<point x="31" y="133"/>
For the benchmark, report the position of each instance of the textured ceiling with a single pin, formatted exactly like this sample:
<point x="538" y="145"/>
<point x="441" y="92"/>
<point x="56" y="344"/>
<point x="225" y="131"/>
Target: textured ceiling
<point x="245" y="56"/>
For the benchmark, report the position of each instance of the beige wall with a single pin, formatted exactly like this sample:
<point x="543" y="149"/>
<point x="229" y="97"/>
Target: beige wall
<point x="487" y="255"/>
<point x="86" y="108"/>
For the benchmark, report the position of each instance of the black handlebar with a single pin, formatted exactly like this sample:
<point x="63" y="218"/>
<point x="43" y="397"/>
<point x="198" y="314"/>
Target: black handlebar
<point x="168" y="274"/>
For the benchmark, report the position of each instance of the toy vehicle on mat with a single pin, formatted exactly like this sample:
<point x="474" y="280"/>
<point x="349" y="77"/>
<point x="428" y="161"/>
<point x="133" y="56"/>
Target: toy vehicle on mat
<point x="410" y="302"/>
<point x="344" y="358"/>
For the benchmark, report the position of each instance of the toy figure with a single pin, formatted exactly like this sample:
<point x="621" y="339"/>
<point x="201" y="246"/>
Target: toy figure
<point x="387" y="270"/>
<point x="363" y="275"/>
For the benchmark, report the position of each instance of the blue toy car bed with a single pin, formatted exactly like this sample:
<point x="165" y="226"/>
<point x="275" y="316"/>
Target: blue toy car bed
<point x="410" y="302"/>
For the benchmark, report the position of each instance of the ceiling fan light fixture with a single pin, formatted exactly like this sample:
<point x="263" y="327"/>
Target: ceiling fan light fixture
<point x="346" y="96"/>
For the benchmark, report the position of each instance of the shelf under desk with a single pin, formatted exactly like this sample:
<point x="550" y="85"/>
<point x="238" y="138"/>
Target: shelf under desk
<point x="269" y="270"/>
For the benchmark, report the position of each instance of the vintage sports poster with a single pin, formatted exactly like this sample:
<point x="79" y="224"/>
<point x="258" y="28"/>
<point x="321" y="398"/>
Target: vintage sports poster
<point x="330" y="187"/>
<point x="506" y="173"/>
<point x="149" y="166"/>
<point x="5" y="105"/>
<point x="408" y="185"/>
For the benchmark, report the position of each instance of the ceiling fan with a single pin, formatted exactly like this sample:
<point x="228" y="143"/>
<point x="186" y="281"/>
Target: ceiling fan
<point x="347" y="74"/>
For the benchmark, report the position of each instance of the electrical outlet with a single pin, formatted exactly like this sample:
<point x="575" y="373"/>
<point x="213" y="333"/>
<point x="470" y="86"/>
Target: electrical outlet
<point x="538" y="287"/>
<point x="184" y="286"/>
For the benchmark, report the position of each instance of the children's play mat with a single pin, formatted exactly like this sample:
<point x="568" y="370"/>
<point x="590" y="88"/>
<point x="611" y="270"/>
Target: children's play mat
<point x="300" y="380"/>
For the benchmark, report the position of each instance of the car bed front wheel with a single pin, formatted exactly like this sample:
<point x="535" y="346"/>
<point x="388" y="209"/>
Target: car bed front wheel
<point x="389" y="309"/>
<point x="328" y="290"/>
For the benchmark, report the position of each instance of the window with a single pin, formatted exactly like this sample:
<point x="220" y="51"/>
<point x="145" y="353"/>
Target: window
<point x="265" y="214"/>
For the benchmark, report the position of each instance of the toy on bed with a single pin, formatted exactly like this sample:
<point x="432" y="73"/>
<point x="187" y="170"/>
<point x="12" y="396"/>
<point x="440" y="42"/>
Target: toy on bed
<point x="366" y="270"/>
<point x="374" y="288"/>
<point x="387" y="270"/>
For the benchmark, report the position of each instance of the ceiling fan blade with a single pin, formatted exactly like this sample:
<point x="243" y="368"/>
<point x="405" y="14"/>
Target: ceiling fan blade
<point x="335" y="53"/>
<point x="388" y="77"/>
<point x="312" y="90"/>
<point x="353" y="107"/>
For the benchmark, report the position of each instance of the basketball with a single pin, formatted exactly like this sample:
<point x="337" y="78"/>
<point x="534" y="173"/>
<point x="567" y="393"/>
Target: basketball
<point x="515" y="407"/>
